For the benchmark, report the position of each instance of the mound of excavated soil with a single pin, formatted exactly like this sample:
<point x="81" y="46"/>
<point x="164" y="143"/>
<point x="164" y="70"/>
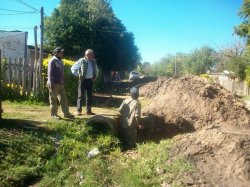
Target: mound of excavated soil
<point x="196" y="100"/>
<point x="219" y="143"/>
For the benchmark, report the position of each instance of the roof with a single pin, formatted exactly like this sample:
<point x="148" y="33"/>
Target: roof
<point x="9" y="33"/>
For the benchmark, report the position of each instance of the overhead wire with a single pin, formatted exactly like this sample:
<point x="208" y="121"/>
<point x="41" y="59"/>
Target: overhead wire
<point x="37" y="11"/>
<point x="17" y="11"/>
<point x="10" y="12"/>
<point x="16" y="27"/>
<point x="25" y="4"/>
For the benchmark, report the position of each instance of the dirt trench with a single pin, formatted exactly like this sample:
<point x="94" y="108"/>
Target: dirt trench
<point x="209" y="125"/>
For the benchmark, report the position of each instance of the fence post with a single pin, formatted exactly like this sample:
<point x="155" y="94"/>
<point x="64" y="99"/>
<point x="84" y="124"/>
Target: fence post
<point x="30" y="75"/>
<point x="19" y="61"/>
<point x="15" y="75"/>
<point x="4" y="72"/>
<point x="34" y="77"/>
<point x="9" y="73"/>
<point x="1" y="110"/>
<point x="24" y="77"/>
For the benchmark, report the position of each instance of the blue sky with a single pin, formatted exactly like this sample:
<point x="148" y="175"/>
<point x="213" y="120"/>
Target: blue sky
<point x="160" y="27"/>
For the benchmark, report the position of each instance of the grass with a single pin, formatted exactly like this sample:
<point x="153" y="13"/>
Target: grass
<point x="40" y="151"/>
<point x="246" y="98"/>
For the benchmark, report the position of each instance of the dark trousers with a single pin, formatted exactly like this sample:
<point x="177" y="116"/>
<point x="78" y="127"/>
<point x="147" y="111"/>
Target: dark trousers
<point x="85" y="89"/>
<point x="129" y="136"/>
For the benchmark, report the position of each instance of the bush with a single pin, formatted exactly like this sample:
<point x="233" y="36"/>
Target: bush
<point x="71" y="81"/>
<point x="206" y="76"/>
<point x="8" y="93"/>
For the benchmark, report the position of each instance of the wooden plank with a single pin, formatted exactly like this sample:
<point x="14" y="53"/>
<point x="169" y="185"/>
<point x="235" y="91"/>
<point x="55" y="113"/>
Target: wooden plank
<point x="1" y="110"/>
<point x="15" y="75"/>
<point x="9" y="72"/>
<point x="4" y="72"/>
<point x="30" y="75"/>
<point x="34" y="77"/>
<point x="24" y="77"/>
<point x="18" y="73"/>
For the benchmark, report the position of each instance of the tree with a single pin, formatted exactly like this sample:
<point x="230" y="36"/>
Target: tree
<point x="80" y="24"/>
<point x="200" y="61"/>
<point x="164" y="67"/>
<point x="243" y="29"/>
<point x="146" y="68"/>
<point x="234" y="59"/>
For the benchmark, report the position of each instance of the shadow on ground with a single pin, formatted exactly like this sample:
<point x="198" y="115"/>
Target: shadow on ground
<point x="19" y="125"/>
<point x="156" y="129"/>
<point x="107" y="101"/>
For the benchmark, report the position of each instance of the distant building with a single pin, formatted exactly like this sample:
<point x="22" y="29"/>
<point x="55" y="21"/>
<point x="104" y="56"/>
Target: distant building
<point x="13" y="44"/>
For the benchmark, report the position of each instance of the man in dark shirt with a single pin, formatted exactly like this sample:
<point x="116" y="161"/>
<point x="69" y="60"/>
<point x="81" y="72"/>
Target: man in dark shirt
<point x="56" y="85"/>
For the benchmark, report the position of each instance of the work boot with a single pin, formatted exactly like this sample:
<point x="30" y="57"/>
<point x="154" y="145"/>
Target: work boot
<point x="69" y="116"/>
<point x="90" y="113"/>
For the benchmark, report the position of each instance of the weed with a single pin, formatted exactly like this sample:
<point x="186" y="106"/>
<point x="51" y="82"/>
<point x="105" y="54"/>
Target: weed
<point x="55" y="153"/>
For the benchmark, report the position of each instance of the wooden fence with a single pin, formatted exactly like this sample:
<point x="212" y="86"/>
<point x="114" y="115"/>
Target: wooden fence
<point x="1" y="110"/>
<point x="234" y="86"/>
<point x="237" y="87"/>
<point x="23" y="76"/>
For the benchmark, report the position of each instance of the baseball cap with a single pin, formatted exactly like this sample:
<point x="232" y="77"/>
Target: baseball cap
<point x="134" y="92"/>
<point x="58" y="49"/>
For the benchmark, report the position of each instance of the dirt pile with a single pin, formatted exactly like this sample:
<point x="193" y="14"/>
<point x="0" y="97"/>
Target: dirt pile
<point x="196" y="100"/>
<point x="219" y="145"/>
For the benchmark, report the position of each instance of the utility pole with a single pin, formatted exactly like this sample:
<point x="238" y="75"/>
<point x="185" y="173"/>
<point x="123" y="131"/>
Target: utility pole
<point x="35" y="39"/>
<point x="35" y="66"/>
<point x="41" y="51"/>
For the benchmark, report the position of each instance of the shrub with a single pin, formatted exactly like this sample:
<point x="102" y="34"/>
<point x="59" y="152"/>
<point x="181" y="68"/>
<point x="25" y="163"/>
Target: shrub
<point x="71" y="81"/>
<point x="206" y="76"/>
<point x="247" y="71"/>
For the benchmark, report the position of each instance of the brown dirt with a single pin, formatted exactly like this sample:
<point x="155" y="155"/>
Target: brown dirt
<point x="210" y="126"/>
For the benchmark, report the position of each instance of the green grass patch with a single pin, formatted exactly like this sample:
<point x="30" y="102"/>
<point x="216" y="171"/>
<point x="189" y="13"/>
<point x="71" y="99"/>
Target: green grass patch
<point x="246" y="98"/>
<point x="55" y="153"/>
<point x="148" y="166"/>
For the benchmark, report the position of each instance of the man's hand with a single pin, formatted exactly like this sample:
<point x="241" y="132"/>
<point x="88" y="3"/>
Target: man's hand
<point x="140" y="126"/>
<point x="50" y="86"/>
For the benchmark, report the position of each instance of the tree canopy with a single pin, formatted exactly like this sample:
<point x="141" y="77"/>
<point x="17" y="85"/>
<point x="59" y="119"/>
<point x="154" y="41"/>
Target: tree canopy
<point x="197" y="62"/>
<point x="243" y="29"/>
<point x="77" y="25"/>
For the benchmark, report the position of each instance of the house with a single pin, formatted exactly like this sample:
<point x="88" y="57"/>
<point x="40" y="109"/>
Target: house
<point x="13" y="44"/>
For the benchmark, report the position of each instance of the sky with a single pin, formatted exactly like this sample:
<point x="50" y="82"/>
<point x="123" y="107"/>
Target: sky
<point x="160" y="27"/>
